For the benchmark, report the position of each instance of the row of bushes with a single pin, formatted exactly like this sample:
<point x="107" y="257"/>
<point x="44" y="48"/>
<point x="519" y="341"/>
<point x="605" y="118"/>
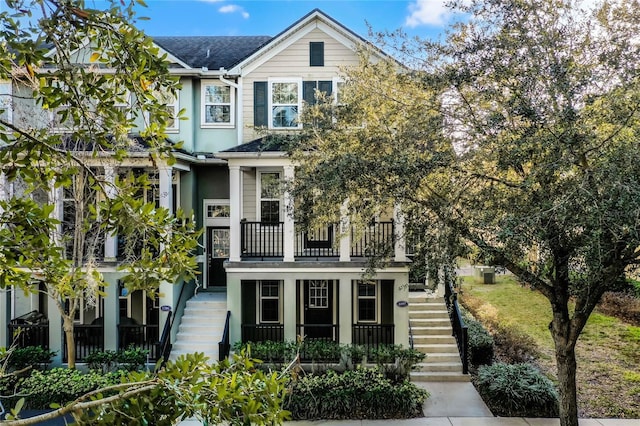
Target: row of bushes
<point x="622" y="305"/>
<point x="357" y="394"/>
<point x="30" y="356"/>
<point x="513" y="388"/>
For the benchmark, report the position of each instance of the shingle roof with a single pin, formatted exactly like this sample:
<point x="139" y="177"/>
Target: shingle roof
<point x="269" y="143"/>
<point x="212" y="52"/>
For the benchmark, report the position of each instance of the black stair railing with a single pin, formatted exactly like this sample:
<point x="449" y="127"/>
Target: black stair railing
<point x="457" y="323"/>
<point x="223" y="345"/>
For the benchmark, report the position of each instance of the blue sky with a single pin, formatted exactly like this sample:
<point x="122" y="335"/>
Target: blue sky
<point x="424" y="18"/>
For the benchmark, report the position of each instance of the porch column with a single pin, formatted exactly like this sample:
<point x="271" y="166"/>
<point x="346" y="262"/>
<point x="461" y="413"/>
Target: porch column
<point x="56" y="342"/>
<point x="110" y="315"/>
<point x="234" y="304"/>
<point x="399" y="234"/>
<point x="111" y="240"/>
<point x="345" y="307"/>
<point x="167" y="290"/>
<point x="289" y="314"/>
<point x="5" y="317"/>
<point x="289" y="235"/>
<point x="401" y="314"/>
<point x="235" y="195"/>
<point x="345" y="234"/>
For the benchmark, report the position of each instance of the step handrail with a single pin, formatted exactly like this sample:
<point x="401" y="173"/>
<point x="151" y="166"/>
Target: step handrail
<point x="165" y="340"/>
<point x="223" y="345"/>
<point x="460" y="330"/>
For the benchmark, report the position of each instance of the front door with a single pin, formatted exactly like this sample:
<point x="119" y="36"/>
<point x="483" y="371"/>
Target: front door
<point x="318" y="310"/>
<point x="217" y="253"/>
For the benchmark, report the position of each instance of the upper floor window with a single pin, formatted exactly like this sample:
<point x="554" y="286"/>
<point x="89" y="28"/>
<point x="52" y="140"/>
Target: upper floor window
<point x="316" y="54"/>
<point x="172" y="105"/>
<point x="217" y="104"/>
<point x="270" y="191"/>
<point x="6" y="104"/>
<point x="285" y="99"/>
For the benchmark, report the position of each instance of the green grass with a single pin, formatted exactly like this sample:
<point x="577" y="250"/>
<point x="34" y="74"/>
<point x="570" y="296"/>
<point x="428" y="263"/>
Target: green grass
<point x="608" y="350"/>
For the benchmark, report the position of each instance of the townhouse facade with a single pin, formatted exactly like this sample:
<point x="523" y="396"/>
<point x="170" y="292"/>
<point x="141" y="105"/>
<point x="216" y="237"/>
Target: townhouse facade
<point x="276" y="280"/>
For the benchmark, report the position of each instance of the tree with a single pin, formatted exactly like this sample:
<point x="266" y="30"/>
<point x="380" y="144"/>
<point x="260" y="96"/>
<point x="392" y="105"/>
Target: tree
<point x="42" y="43"/>
<point x="517" y="136"/>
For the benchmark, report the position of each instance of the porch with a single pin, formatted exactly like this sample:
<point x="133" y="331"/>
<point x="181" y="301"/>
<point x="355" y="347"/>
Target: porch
<point x="370" y="335"/>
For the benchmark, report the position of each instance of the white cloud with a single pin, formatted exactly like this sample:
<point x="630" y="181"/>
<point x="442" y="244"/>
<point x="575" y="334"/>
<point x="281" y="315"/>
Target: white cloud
<point x="233" y="8"/>
<point x="428" y="12"/>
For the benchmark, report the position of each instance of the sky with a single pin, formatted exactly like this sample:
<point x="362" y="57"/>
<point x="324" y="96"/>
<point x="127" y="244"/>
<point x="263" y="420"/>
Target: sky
<point x="424" y="18"/>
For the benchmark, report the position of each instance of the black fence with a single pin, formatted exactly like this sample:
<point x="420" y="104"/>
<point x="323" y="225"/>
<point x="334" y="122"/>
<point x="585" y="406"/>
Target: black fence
<point x="24" y="335"/>
<point x="88" y="338"/>
<point x="324" y="332"/>
<point x="373" y="335"/>
<point x="140" y="336"/>
<point x="262" y="332"/>
<point x="376" y="240"/>
<point x="261" y="239"/>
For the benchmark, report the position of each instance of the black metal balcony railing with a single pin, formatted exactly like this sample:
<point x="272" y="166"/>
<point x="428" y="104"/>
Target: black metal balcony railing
<point x="324" y="332"/>
<point x="143" y="336"/>
<point x="373" y="335"/>
<point x="88" y="338"/>
<point x="266" y="240"/>
<point x="262" y="332"/>
<point x="260" y="239"/>
<point x="29" y="335"/>
<point x="377" y="240"/>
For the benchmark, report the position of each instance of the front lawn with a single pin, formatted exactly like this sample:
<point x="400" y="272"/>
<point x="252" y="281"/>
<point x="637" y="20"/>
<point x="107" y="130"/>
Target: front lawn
<point x="608" y="350"/>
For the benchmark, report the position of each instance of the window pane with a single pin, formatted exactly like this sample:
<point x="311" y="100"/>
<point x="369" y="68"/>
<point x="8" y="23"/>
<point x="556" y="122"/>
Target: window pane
<point x="214" y="210"/>
<point x="270" y="310"/>
<point x="217" y="114"/>
<point x="217" y="94"/>
<point x="285" y="116"/>
<point x="270" y="289"/>
<point x="270" y="185"/>
<point x="270" y="211"/>
<point x="366" y="309"/>
<point x="285" y="93"/>
<point x="220" y="243"/>
<point x="366" y="290"/>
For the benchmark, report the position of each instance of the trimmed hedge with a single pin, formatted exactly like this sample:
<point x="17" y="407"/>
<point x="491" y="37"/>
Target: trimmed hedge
<point x="517" y="390"/>
<point x="356" y="394"/>
<point x="480" y="343"/>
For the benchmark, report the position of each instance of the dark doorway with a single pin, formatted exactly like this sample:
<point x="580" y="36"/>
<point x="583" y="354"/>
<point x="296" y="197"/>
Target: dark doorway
<point x="318" y="310"/>
<point x="217" y="253"/>
<point x="320" y="237"/>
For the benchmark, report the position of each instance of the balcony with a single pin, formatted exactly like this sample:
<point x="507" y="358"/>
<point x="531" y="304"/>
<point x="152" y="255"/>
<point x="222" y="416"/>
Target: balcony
<point x="372" y="335"/>
<point x="265" y="241"/>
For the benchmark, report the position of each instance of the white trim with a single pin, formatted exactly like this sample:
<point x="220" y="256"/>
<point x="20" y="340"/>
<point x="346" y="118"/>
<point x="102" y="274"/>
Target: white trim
<point x="274" y="80"/>
<point x="215" y="221"/>
<point x="356" y="300"/>
<point x="203" y="105"/>
<point x="260" y="298"/>
<point x="259" y="198"/>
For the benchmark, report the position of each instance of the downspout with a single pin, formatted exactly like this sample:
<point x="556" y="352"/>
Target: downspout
<point x="238" y="105"/>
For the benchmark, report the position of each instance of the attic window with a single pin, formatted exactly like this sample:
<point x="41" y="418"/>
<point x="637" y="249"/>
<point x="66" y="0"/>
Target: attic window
<point x="316" y="54"/>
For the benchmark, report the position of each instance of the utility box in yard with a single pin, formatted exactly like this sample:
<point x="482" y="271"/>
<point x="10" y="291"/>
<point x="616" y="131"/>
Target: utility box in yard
<point x="486" y="274"/>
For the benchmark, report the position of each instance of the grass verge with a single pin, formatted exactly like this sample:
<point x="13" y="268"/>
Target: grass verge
<point x="608" y="351"/>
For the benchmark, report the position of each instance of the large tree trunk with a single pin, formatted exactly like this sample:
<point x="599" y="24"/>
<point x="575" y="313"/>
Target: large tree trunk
<point x="566" y="364"/>
<point x="69" y="338"/>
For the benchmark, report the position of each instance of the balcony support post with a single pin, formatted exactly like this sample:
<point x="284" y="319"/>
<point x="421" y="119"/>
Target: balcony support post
<point x="345" y="305"/>
<point x="111" y="241"/>
<point x="289" y="309"/>
<point x="289" y="236"/>
<point x="399" y="236"/>
<point x="345" y="235"/>
<point x="235" y="195"/>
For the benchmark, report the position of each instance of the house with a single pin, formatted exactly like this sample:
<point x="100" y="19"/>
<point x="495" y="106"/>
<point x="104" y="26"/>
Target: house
<point x="275" y="280"/>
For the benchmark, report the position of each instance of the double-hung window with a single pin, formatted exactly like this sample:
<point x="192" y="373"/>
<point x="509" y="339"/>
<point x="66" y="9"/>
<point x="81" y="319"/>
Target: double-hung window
<point x="269" y="301"/>
<point x="367" y="301"/>
<point x="171" y="103"/>
<point x="285" y="103"/>
<point x="217" y="104"/>
<point x="270" y="195"/>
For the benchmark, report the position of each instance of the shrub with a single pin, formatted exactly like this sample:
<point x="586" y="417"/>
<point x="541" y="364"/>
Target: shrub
<point x="480" y="343"/>
<point x="130" y="359"/>
<point x="625" y="306"/>
<point x="513" y="345"/>
<point x="29" y="356"/>
<point x="357" y="394"/>
<point x="395" y="361"/>
<point x="61" y="385"/>
<point x="517" y="390"/>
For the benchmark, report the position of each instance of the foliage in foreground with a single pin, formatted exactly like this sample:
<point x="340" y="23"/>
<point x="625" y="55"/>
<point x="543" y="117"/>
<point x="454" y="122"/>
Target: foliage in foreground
<point x="480" y="343"/>
<point x="233" y="393"/>
<point x="29" y="356"/>
<point x="357" y="394"/>
<point x="517" y="390"/>
<point x="130" y="359"/>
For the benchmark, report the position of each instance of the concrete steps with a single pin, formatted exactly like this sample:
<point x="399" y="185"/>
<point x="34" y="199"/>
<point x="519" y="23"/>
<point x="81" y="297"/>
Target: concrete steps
<point x="432" y="335"/>
<point x="201" y="325"/>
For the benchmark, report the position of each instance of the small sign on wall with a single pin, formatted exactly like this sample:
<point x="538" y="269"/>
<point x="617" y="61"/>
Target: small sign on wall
<point x="165" y="308"/>
<point x="402" y="303"/>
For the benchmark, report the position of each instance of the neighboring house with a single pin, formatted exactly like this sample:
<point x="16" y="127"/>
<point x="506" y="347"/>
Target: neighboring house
<point x="279" y="282"/>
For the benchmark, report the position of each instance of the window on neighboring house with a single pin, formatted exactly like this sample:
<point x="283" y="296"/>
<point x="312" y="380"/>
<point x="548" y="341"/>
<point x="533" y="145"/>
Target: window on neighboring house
<point x="269" y="301"/>
<point x="6" y="103"/>
<point x="316" y="54"/>
<point x="338" y="93"/>
<point x="270" y="194"/>
<point x="172" y="105"/>
<point x="366" y="301"/>
<point x="285" y="104"/>
<point x="217" y="104"/>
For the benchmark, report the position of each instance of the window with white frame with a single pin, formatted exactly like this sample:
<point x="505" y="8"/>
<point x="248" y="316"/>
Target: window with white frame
<point x="269" y="301"/>
<point x="217" y="104"/>
<point x="6" y="103"/>
<point x="366" y="301"/>
<point x="285" y="103"/>
<point x="218" y="210"/>
<point x="318" y="294"/>
<point x="270" y="195"/>
<point x="171" y="103"/>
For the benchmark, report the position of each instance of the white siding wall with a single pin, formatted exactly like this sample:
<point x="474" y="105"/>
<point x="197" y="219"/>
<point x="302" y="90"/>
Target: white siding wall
<point x="294" y="62"/>
<point x="249" y="195"/>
